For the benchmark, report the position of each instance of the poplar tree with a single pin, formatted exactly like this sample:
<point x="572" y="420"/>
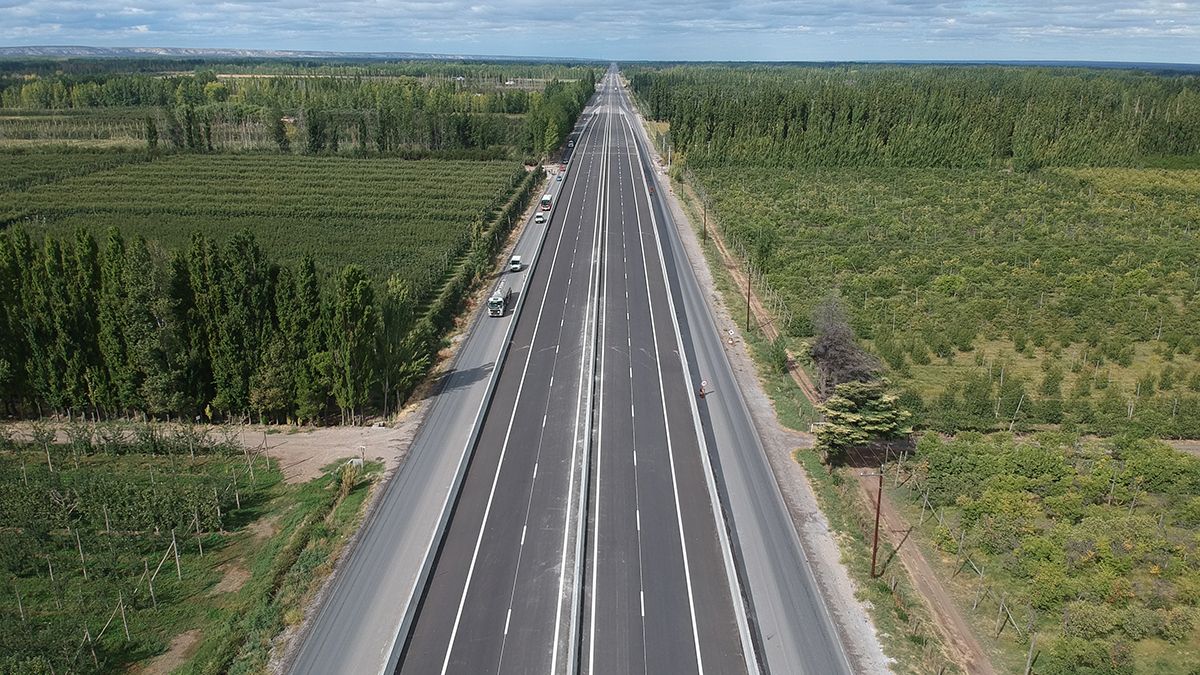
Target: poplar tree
<point x="116" y="387"/>
<point x="278" y="129"/>
<point x="308" y="326"/>
<point x="151" y="133"/>
<point x="352" y="338"/>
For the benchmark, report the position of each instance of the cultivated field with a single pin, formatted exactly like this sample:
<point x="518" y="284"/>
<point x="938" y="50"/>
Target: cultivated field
<point x="92" y="529"/>
<point x="1081" y="283"/>
<point x="408" y="218"/>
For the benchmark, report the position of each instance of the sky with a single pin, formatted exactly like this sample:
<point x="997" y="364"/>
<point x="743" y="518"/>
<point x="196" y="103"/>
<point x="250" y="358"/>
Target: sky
<point x="759" y="30"/>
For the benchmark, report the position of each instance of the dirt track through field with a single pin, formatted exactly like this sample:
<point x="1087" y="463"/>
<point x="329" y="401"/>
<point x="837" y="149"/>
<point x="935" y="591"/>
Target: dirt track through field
<point x="957" y="634"/>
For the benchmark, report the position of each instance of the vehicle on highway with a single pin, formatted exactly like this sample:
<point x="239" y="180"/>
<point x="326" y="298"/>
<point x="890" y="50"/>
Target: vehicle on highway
<point x="539" y="218"/>
<point x="515" y="264"/>
<point x="571" y="143"/>
<point x="546" y="202"/>
<point x="498" y="302"/>
<point x="558" y="178"/>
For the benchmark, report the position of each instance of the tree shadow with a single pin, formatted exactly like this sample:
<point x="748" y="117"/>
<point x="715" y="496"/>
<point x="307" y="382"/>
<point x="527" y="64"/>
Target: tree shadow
<point x="462" y="378"/>
<point x="875" y="455"/>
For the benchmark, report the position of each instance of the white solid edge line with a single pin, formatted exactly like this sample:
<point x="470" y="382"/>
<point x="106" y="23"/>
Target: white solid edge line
<point x="504" y="447"/>
<point x="687" y="570"/>
<point x="735" y="587"/>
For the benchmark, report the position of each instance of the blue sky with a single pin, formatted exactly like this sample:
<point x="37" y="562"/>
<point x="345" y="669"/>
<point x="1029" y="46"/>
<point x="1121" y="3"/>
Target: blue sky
<point x="1134" y="30"/>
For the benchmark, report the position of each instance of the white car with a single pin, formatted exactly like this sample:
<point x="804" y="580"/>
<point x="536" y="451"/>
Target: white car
<point x="540" y="217"/>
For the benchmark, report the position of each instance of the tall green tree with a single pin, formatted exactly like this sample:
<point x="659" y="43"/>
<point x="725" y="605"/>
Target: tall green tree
<point x="278" y="129"/>
<point x="151" y="133"/>
<point x="116" y="388"/>
<point x="352" y="341"/>
<point x="856" y="414"/>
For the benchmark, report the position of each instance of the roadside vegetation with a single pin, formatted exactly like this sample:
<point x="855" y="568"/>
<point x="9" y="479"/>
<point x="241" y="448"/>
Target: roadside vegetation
<point x="119" y="539"/>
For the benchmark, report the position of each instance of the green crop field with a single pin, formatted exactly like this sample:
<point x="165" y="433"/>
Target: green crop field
<point x="20" y="170"/>
<point x="408" y="218"/>
<point x="1079" y="285"/>
<point x="1090" y="543"/>
<point x="88" y="551"/>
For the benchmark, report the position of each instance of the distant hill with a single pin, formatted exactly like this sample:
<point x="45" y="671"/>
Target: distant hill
<point x="79" y="51"/>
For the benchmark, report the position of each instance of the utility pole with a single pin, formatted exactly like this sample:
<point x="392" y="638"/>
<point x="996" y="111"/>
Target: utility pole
<point x="878" y="504"/>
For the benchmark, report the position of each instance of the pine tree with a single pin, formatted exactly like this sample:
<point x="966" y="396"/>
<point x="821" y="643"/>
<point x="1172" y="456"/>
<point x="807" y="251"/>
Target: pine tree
<point x="857" y="413"/>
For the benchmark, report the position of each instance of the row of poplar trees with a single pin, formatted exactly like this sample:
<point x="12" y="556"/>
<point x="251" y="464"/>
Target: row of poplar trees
<point x="921" y="116"/>
<point x="214" y="331"/>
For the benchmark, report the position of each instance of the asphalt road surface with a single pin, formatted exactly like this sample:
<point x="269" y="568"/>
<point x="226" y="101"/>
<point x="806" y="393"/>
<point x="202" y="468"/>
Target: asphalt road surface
<point x="579" y="508"/>
<point x="792" y="628"/>
<point x="500" y="596"/>
<point x="658" y="600"/>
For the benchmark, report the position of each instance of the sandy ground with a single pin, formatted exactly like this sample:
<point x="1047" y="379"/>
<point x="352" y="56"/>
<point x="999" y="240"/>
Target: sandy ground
<point x="854" y="624"/>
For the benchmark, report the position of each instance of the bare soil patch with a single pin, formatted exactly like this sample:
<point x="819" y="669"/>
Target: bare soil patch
<point x="234" y="576"/>
<point x="175" y="656"/>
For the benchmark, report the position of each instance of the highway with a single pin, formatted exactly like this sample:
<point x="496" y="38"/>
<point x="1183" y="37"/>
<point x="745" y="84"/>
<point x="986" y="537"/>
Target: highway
<point x="793" y="631"/>
<point x="657" y="601"/>
<point x="569" y="504"/>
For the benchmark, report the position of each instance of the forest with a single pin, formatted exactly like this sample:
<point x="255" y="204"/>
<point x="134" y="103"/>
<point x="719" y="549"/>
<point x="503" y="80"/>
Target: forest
<point x="365" y="108"/>
<point x="911" y="116"/>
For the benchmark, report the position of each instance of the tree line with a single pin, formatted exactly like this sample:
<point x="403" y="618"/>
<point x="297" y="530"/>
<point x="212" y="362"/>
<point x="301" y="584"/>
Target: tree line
<point x="905" y="116"/>
<point x="220" y="331"/>
<point x="384" y="115"/>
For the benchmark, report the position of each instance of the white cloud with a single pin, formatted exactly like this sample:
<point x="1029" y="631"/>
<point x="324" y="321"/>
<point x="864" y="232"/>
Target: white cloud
<point x="1136" y="30"/>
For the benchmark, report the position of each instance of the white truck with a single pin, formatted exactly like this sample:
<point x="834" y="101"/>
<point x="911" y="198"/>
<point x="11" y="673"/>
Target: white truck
<point x="515" y="264"/>
<point x="497" y="304"/>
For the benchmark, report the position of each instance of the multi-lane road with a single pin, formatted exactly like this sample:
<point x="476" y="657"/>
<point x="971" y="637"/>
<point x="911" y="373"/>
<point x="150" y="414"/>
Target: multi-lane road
<point x="570" y="505"/>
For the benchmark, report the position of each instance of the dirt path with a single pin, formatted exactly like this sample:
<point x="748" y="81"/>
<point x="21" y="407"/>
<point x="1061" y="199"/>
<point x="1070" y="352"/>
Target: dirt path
<point x="959" y="638"/>
<point x="176" y="655"/>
